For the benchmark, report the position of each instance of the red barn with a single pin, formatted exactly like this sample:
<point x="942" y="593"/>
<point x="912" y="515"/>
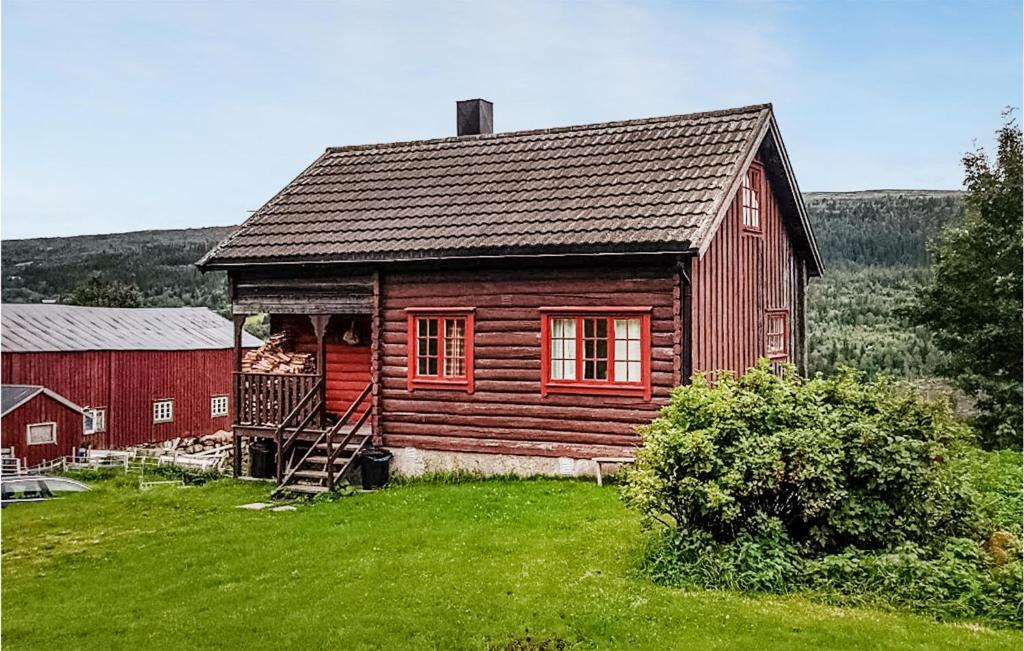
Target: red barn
<point x="38" y="425"/>
<point x="519" y="301"/>
<point x="144" y="375"/>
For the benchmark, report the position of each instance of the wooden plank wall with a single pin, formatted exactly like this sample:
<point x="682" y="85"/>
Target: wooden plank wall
<point x="127" y="382"/>
<point x="742" y="275"/>
<point x="42" y="409"/>
<point x="506" y="413"/>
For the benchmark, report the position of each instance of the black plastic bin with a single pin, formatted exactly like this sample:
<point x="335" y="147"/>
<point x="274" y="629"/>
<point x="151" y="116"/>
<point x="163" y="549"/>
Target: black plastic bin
<point x="375" y="464"/>
<point x="263" y="458"/>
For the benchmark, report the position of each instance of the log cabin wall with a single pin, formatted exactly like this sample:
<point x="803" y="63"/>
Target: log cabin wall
<point x="742" y="275"/>
<point x="506" y="413"/>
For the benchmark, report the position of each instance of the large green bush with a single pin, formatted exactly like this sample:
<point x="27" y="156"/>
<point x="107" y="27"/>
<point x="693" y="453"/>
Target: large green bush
<point x="848" y="487"/>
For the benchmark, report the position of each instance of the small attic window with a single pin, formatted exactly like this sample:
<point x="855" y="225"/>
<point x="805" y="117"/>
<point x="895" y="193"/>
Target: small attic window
<point x="750" y="196"/>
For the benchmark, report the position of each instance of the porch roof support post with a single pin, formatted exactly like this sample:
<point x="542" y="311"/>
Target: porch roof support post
<point x="319" y="322"/>
<point x="238" y="321"/>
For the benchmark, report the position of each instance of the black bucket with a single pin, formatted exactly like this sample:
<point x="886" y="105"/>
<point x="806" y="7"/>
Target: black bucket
<point x="375" y="464"/>
<point x="263" y="458"/>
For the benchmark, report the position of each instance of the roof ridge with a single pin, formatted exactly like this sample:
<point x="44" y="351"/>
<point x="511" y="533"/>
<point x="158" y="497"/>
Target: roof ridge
<point x="752" y="108"/>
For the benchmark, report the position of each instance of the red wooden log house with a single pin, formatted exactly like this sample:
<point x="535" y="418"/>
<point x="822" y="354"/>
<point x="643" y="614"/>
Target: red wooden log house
<point x="518" y="297"/>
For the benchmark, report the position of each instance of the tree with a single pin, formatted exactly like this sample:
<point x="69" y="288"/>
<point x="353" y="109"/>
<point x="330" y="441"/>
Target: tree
<point x="100" y="293"/>
<point x="972" y="302"/>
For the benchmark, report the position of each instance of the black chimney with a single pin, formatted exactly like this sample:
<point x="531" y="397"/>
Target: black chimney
<point x="474" y="117"/>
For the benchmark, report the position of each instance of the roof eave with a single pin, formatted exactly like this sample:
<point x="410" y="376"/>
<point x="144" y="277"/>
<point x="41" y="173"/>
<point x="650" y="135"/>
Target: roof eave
<point x="683" y="247"/>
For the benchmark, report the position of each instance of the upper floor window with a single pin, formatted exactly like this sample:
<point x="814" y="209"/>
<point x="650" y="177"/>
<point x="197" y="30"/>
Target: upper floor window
<point x="776" y="333"/>
<point x="603" y="350"/>
<point x="750" y="199"/>
<point x="163" y="411"/>
<point x="42" y="433"/>
<point x="440" y="343"/>
<point x="218" y="406"/>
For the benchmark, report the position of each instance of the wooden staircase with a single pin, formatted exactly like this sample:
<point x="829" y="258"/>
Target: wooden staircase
<point x="309" y="466"/>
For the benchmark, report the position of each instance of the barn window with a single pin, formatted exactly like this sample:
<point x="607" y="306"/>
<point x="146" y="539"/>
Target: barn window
<point x="440" y="343"/>
<point x="751" y="199"/>
<point x="42" y="434"/>
<point x="603" y="350"/>
<point x="218" y="406"/>
<point x="776" y="333"/>
<point x="163" y="411"/>
<point x="94" y="420"/>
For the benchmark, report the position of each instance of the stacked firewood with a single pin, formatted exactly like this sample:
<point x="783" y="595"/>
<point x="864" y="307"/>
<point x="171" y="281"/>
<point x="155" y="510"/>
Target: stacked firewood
<point x="274" y="356"/>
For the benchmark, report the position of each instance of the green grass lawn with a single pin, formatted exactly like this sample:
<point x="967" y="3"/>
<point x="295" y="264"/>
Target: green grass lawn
<point x="475" y="565"/>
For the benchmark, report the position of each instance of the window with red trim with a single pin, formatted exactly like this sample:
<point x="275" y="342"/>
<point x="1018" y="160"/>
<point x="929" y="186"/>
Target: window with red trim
<point x="750" y="198"/>
<point x="601" y="350"/>
<point x="776" y="333"/>
<point x="440" y="343"/>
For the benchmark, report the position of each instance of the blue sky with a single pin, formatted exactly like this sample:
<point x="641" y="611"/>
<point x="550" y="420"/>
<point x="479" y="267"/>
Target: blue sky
<point x="121" y="116"/>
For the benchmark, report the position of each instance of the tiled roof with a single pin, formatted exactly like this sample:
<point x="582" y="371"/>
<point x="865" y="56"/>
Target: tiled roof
<point x="29" y="328"/>
<point x="13" y="396"/>
<point x="647" y="185"/>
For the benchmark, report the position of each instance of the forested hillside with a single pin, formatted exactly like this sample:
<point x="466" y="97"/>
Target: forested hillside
<point x="160" y="263"/>
<point x="873" y="244"/>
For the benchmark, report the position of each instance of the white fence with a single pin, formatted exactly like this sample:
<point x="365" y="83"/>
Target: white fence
<point x="131" y="460"/>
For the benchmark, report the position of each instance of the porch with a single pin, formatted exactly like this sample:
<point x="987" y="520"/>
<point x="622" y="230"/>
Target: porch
<point x="318" y="422"/>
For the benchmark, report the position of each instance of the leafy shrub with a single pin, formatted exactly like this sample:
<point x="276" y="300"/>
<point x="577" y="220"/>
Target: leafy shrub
<point x="776" y="483"/>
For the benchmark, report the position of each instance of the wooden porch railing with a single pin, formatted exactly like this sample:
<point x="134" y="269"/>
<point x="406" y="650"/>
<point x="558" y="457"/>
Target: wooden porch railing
<point x="268" y="399"/>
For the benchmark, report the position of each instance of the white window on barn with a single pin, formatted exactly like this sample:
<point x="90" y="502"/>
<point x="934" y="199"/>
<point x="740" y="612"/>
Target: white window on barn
<point x="94" y="420"/>
<point x="776" y="333"/>
<point x="163" y="411"/>
<point x="42" y="434"/>
<point x="750" y="199"/>
<point x="218" y="406"/>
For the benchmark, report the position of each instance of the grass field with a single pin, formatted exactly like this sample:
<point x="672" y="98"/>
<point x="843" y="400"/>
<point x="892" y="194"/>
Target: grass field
<point x="476" y="565"/>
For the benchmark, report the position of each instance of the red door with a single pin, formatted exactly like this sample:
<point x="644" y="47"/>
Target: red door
<point x="348" y="373"/>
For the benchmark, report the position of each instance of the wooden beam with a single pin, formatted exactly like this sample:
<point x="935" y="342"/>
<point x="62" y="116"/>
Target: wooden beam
<point x="238" y="322"/>
<point x="376" y="328"/>
<point x="320" y="322"/>
<point x="686" y="316"/>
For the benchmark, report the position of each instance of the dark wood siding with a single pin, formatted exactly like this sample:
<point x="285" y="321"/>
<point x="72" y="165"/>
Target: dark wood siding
<point x="126" y="383"/>
<point x="740" y="276"/>
<point x="42" y="409"/>
<point x="506" y="412"/>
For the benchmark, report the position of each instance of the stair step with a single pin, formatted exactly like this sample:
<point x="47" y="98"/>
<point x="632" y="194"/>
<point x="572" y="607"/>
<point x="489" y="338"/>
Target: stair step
<point x="310" y="474"/>
<point x="338" y="460"/>
<point x="308" y="489"/>
<point x="323" y="446"/>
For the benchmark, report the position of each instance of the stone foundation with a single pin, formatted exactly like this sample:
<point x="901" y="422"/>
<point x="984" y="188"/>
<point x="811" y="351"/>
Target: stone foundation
<point x="412" y="462"/>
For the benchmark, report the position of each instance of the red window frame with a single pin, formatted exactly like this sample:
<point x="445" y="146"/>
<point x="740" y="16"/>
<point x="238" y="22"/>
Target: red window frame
<point x="752" y="188"/>
<point x="596" y="387"/>
<point x="783" y="314"/>
<point x="415" y="380"/>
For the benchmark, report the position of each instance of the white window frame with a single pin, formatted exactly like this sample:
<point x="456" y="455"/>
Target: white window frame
<point x="214" y="401"/>
<point x="161" y="415"/>
<point x="750" y="201"/>
<point x="99" y="420"/>
<point x="53" y="433"/>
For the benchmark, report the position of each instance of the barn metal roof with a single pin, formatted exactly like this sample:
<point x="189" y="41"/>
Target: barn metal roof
<point x="13" y="396"/>
<point x="26" y="328"/>
<point x="651" y="185"/>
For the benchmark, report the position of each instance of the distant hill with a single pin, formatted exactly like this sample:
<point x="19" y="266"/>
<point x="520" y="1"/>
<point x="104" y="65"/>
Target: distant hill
<point x="161" y="263"/>
<point x="880" y="227"/>
<point x="873" y="244"/>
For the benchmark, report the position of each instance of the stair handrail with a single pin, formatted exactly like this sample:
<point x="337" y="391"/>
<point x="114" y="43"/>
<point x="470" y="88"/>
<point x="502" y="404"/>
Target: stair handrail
<point x="332" y="454"/>
<point x="329" y="433"/>
<point x="285" y="445"/>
